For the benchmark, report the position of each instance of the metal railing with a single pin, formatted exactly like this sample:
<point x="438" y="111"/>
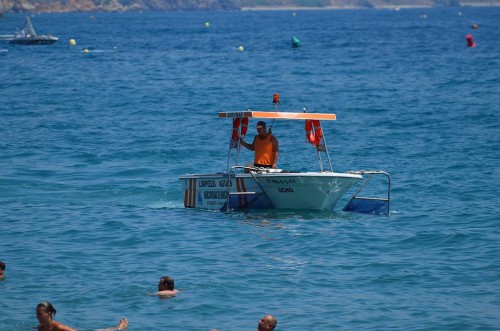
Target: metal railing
<point x="351" y="205"/>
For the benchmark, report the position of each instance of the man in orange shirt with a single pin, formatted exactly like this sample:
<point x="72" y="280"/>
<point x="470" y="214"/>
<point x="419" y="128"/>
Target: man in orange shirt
<point x="265" y="146"/>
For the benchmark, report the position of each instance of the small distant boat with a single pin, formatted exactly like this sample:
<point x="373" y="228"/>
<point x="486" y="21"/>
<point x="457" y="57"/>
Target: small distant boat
<point x="28" y="36"/>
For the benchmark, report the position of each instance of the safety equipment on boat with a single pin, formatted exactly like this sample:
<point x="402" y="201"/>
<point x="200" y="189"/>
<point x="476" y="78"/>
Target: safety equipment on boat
<point x="244" y="127"/>
<point x="314" y="133"/>
<point x="276" y="98"/>
<point x="237" y="132"/>
<point x="236" y="129"/>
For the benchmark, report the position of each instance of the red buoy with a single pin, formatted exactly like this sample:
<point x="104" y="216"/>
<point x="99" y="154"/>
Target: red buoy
<point x="470" y="41"/>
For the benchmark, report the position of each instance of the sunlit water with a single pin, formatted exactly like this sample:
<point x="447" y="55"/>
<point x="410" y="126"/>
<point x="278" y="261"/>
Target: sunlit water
<point x="92" y="144"/>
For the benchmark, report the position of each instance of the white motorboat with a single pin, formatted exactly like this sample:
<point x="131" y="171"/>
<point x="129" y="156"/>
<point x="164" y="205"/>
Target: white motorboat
<point x="28" y="36"/>
<point x="250" y="187"/>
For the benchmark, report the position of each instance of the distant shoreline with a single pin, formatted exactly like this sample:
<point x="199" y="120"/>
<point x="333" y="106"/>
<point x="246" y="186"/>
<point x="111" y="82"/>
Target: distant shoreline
<point x="260" y="8"/>
<point x="285" y="8"/>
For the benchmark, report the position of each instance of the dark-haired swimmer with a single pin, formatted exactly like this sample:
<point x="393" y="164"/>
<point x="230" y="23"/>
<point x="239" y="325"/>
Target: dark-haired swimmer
<point x="166" y="287"/>
<point x="266" y="323"/>
<point x="2" y="269"/>
<point x="45" y="313"/>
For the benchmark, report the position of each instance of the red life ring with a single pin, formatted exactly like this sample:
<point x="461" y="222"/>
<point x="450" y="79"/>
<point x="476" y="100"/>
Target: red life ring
<point x="236" y="127"/>
<point x="244" y="126"/>
<point x="314" y="133"/>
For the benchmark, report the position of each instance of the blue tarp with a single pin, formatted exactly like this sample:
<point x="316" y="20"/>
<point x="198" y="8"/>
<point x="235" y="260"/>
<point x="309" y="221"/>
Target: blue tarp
<point x="367" y="206"/>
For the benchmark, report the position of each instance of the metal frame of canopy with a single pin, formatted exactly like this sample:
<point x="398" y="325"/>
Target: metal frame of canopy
<point x="320" y="146"/>
<point x="279" y="115"/>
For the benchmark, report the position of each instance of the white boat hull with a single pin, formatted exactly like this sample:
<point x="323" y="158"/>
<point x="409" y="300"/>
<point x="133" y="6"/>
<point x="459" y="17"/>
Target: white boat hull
<point x="278" y="190"/>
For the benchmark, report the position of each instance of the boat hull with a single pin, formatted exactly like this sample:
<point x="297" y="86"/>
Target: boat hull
<point x="39" y="40"/>
<point x="310" y="190"/>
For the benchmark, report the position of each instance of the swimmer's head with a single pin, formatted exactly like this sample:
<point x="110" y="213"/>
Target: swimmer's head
<point x="166" y="283"/>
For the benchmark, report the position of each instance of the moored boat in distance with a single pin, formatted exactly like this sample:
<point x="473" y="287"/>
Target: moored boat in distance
<point x="252" y="187"/>
<point x="28" y="36"/>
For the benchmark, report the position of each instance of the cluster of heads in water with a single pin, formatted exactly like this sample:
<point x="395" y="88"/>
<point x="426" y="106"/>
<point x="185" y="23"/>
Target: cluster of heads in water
<point x="45" y="311"/>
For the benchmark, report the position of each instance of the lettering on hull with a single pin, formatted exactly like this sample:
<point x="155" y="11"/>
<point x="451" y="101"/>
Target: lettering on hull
<point x="215" y="195"/>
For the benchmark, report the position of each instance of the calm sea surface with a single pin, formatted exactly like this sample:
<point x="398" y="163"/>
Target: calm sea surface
<point x="92" y="145"/>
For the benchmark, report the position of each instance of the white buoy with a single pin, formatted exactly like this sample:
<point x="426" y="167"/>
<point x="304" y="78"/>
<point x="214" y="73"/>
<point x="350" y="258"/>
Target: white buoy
<point x="85" y="50"/>
<point x="72" y="42"/>
<point x="241" y="48"/>
<point x="207" y="24"/>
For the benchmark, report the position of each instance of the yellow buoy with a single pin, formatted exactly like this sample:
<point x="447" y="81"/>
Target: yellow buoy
<point x="72" y="42"/>
<point x="241" y="48"/>
<point x="85" y="50"/>
<point x="207" y="24"/>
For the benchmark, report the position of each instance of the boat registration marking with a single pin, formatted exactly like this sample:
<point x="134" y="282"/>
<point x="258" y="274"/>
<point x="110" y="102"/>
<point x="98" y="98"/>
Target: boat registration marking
<point x="280" y="181"/>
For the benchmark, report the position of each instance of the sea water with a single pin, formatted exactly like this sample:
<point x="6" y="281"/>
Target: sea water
<point x="93" y="138"/>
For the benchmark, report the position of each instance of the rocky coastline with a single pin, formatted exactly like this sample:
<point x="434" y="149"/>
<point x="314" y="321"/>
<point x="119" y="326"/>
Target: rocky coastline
<point x="57" y="6"/>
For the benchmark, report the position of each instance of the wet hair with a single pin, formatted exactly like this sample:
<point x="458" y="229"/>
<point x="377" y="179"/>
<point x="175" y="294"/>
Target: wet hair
<point x="2" y="265"/>
<point x="166" y="281"/>
<point x="261" y="123"/>
<point x="48" y="308"/>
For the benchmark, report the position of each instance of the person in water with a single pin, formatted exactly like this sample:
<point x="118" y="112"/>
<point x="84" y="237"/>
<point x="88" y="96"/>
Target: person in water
<point x="2" y="269"/>
<point x="166" y="287"/>
<point x="266" y="323"/>
<point x="45" y="313"/>
<point x="265" y="146"/>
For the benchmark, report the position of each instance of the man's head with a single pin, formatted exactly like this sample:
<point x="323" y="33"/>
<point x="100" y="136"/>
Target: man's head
<point x="44" y="312"/>
<point x="267" y="323"/>
<point x="261" y="127"/>
<point x="2" y="268"/>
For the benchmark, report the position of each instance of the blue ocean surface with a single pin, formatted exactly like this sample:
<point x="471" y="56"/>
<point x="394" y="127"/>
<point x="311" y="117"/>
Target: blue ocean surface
<point x="92" y="145"/>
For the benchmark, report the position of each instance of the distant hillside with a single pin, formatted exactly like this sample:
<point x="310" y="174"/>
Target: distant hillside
<point x="364" y="3"/>
<point x="115" y="5"/>
<point x="164" y="5"/>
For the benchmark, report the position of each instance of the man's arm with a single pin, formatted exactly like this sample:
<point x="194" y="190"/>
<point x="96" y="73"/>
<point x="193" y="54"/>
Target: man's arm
<point x="249" y="146"/>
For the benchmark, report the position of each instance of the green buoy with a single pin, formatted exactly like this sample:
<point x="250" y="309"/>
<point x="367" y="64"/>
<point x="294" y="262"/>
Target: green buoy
<point x="295" y="42"/>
